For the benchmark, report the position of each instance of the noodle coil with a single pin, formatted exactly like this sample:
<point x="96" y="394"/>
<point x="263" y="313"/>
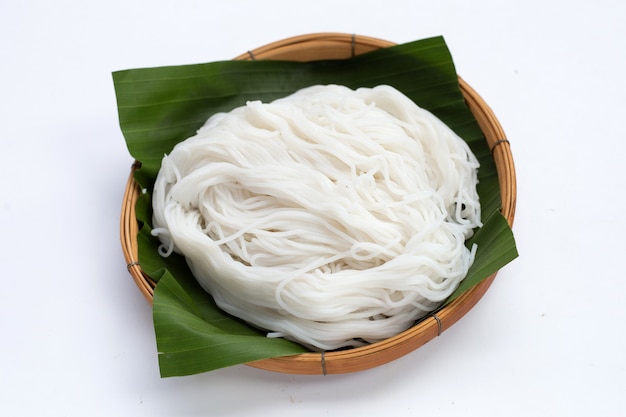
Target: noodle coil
<point x="332" y="217"/>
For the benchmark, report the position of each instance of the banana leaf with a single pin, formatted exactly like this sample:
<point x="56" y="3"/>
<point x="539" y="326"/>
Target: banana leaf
<point x="159" y="107"/>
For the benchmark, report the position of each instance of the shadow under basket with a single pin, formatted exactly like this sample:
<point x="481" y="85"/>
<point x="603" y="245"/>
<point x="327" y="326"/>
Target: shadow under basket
<point x="342" y="46"/>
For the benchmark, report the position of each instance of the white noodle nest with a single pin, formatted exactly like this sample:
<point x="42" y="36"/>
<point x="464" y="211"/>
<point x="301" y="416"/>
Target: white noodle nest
<point x="332" y="217"/>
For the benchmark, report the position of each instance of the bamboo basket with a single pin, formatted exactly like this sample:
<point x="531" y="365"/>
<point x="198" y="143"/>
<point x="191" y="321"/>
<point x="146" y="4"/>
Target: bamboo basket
<point x="342" y="46"/>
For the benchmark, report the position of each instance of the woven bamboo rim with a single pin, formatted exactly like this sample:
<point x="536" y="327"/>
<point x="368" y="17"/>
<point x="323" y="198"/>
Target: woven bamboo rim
<point x="341" y="46"/>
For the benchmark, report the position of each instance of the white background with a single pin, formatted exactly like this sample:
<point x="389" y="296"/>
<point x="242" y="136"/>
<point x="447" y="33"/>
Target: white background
<point x="548" y="339"/>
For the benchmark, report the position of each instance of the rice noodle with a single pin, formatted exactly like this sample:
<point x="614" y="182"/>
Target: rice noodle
<point x="331" y="217"/>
